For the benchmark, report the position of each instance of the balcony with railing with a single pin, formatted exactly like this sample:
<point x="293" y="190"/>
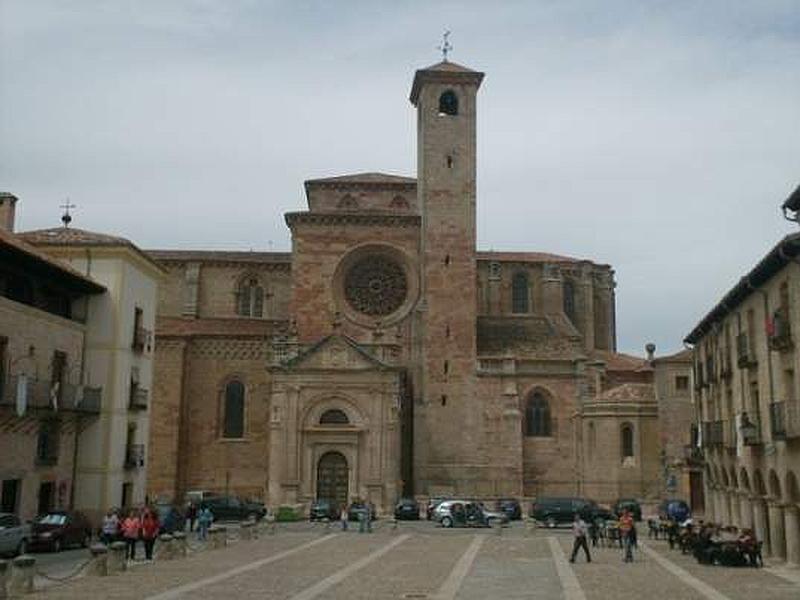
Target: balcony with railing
<point x="134" y="456"/>
<point x="712" y="434"/>
<point x="780" y="331"/>
<point x="750" y="430"/>
<point x="139" y="398"/>
<point x="725" y="364"/>
<point x="744" y="352"/>
<point x="24" y="394"/>
<point x="784" y="419"/>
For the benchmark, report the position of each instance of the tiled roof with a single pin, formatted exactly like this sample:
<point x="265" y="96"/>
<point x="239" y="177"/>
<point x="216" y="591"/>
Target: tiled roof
<point x="181" y="327"/>
<point x="19" y="247"/>
<point x="449" y="67"/>
<point x="617" y="361"/>
<point x="629" y="392"/>
<point x="220" y="255"/>
<point x="364" y="178"/>
<point x="72" y="236"/>
<point x="682" y="356"/>
<point x="526" y="257"/>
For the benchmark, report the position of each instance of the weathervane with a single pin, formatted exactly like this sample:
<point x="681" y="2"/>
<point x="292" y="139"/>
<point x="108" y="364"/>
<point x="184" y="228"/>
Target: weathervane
<point x="66" y="218"/>
<point x="446" y="45"/>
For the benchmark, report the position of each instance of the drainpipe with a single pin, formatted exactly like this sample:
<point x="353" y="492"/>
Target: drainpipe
<point x="769" y="352"/>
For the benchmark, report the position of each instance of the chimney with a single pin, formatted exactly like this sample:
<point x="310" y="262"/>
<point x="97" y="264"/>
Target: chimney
<point x="651" y="351"/>
<point x="8" y="203"/>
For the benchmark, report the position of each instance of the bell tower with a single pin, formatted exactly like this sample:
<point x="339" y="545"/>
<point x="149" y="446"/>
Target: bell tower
<point x="447" y="420"/>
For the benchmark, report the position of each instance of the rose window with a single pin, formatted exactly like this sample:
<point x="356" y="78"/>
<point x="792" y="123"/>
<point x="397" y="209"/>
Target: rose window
<point x="375" y="286"/>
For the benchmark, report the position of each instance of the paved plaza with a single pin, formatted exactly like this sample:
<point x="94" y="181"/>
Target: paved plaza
<point x="305" y="562"/>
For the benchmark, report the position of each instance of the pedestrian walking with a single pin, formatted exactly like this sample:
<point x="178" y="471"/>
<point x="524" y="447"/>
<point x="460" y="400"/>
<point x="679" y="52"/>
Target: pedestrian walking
<point x="626" y="529"/>
<point x="191" y="514"/>
<point x="110" y="529"/>
<point x="131" y="527"/>
<point x="204" y="520"/>
<point x="594" y="531"/>
<point x="150" y="528"/>
<point x="579" y="530"/>
<point x="343" y="517"/>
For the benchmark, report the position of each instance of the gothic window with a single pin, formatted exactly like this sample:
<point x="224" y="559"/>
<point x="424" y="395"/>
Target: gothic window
<point x="376" y="286"/>
<point x="233" y="417"/>
<point x="399" y="203"/>
<point x="334" y="416"/>
<point x="348" y="202"/>
<point x="537" y="416"/>
<point x="448" y="103"/>
<point x="569" y="300"/>
<point x="626" y="434"/>
<point x="519" y="293"/>
<point x="250" y="298"/>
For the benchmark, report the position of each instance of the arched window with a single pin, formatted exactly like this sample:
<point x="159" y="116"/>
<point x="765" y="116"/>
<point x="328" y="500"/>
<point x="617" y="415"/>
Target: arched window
<point x="519" y="293"/>
<point x="334" y="416"/>
<point x="448" y="103"/>
<point x="537" y="416"/>
<point x="569" y="300"/>
<point x="233" y="417"/>
<point x="348" y="202"/>
<point x="250" y="298"/>
<point x="626" y="434"/>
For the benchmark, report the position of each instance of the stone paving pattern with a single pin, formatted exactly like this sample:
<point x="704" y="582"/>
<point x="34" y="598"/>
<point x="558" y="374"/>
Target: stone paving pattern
<point x="511" y="566"/>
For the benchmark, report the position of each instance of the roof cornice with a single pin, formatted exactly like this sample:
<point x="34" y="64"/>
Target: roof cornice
<point x="369" y="220"/>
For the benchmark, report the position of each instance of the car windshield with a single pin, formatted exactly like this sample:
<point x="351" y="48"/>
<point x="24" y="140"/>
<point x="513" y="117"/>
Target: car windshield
<point x="53" y="519"/>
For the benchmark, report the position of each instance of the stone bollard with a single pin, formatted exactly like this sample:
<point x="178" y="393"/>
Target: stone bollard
<point x="272" y="526"/>
<point x="394" y="523"/>
<point x="116" y="562"/>
<point x="246" y="530"/>
<point x="4" y="568"/>
<point x="99" y="564"/>
<point x="180" y="544"/>
<point x="327" y="522"/>
<point x="165" y="547"/>
<point x="530" y="526"/>
<point x="21" y="580"/>
<point x="497" y="525"/>
<point x="218" y="537"/>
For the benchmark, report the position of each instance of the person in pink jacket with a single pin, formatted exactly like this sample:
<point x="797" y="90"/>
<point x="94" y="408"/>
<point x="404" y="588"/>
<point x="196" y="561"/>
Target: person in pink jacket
<point x="131" y="527"/>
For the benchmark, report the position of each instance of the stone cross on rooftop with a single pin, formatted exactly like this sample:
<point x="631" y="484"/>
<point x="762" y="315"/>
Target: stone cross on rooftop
<point x="446" y="45"/>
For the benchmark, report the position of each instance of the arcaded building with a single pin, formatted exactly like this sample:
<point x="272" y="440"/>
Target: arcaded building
<point x="386" y="355"/>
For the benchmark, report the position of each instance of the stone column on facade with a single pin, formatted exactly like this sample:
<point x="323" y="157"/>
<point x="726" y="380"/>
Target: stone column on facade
<point x="776" y="530"/>
<point x="733" y="502"/>
<point x="552" y="289"/>
<point x="791" y="519"/>
<point x="587" y="307"/>
<point x="760" y="523"/>
<point x="745" y="512"/>
<point x="710" y="509"/>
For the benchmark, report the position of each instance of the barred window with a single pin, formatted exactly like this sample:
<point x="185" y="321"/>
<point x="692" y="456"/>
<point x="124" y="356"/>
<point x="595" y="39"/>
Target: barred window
<point x="250" y="298"/>
<point x="537" y="416"/>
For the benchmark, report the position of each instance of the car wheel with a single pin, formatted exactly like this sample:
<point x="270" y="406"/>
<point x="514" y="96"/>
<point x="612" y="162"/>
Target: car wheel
<point x="447" y="522"/>
<point x="57" y="545"/>
<point x="550" y="522"/>
<point x="22" y="548"/>
<point x="252" y="516"/>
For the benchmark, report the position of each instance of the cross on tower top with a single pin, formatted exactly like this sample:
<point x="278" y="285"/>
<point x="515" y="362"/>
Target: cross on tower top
<point x="66" y="218"/>
<point x="446" y="45"/>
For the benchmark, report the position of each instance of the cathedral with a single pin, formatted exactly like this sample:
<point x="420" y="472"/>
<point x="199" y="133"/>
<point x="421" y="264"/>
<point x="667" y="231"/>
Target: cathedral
<point x="387" y="356"/>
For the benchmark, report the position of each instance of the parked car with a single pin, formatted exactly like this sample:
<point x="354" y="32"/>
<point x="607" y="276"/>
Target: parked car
<point x="465" y="513"/>
<point x="358" y="507"/>
<point x="59" y="529"/>
<point x="14" y="535"/>
<point x="170" y="518"/>
<point x="510" y="507"/>
<point x="674" y="510"/>
<point x="432" y="504"/>
<point x="630" y="505"/>
<point x="407" y="509"/>
<point x="231" y="508"/>
<point x="323" y="509"/>
<point x="553" y="512"/>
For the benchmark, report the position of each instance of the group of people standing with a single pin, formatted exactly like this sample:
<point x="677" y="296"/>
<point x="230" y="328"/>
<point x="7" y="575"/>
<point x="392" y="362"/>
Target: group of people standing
<point x="135" y="525"/>
<point x="581" y="531"/>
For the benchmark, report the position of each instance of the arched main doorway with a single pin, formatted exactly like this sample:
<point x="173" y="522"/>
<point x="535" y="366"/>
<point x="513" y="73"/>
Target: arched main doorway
<point x="332" y="478"/>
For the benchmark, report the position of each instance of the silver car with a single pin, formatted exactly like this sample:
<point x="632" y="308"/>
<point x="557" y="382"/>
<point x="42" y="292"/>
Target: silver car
<point x="466" y="513"/>
<point x="14" y="535"/>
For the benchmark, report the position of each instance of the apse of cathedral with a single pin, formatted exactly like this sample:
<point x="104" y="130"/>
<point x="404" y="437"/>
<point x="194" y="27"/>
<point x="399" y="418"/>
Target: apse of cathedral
<point x="387" y="356"/>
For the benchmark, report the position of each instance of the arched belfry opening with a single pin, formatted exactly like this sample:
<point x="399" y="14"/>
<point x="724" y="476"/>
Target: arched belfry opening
<point x="448" y="103"/>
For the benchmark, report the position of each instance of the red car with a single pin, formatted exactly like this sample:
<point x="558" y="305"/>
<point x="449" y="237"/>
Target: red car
<point x="59" y="529"/>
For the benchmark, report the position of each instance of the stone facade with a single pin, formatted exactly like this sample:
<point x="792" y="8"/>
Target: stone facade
<point x="748" y="412"/>
<point x="450" y="370"/>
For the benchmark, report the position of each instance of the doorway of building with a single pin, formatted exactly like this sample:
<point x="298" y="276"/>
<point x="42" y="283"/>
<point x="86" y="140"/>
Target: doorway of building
<point x="696" y="496"/>
<point x="332" y="478"/>
<point x="46" y="494"/>
<point x="10" y="496"/>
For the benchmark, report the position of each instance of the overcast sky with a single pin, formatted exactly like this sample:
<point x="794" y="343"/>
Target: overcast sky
<point x="660" y="136"/>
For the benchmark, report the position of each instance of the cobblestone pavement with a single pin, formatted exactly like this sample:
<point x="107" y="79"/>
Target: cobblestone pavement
<point x="305" y="562"/>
